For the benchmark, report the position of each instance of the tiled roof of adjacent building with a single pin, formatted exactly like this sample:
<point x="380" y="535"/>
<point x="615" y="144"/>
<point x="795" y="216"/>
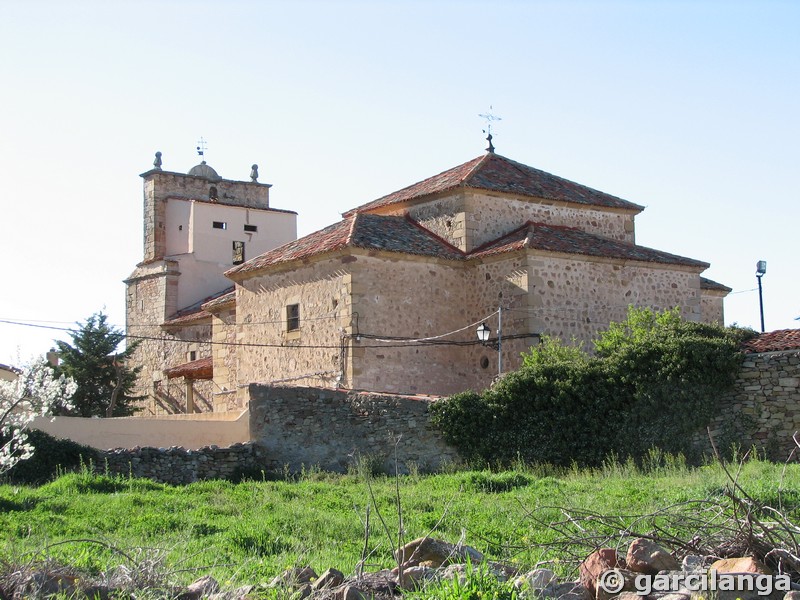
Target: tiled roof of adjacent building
<point x="569" y="240"/>
<point x="372" y="232"/>
<point x="195" y="312"/>
<point x="774" y="341"/>
<point x="709" y="284"/>
<point x="497" y="173"/>
<point x="197" y="369"/>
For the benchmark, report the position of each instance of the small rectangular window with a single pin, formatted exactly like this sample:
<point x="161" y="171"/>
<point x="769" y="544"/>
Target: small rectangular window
<point x="192" y="355"/>
<point x="219" y="225"/>
<point x="251" y="228"/>
<point x="292" y="317"/>
<point x="238" y="253"/>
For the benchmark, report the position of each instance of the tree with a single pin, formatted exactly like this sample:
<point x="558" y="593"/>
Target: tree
<point x="36" y="392"/>
<point x="105" y="383"/>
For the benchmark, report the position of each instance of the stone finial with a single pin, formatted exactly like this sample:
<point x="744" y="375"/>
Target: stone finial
<point x="157" y="161"/>
<point x="254" y="173"/>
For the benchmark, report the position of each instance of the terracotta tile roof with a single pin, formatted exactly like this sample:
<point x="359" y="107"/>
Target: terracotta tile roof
<point x="196" y="369"/>
<point x="710" y="284"/>
<point x="569" y="240"/>
<point x="774" y="341"/>
<point x="193" y="313"/>
<point x="499" y="174"/>
<point x="220" y="301"/>
<point x="187" y="319"/>
<point x="372" y="232"/>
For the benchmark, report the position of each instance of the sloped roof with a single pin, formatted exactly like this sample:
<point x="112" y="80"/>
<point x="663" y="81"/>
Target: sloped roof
<point x="193" y="313"/>
<point x="497" y="173"/>
<point x="569" y="240"/>
<point x="371" y="232"/>
<point x="710" y="284"/>
<point x="774" y="341"/>
<point x="197" y="369"/>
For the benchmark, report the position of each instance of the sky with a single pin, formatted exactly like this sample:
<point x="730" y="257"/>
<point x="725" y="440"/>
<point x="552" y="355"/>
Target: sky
<point x="687" y="108"/>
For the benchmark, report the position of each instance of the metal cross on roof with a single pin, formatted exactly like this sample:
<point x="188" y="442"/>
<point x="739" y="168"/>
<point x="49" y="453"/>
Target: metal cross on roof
<point x="201" y="147"/>
<point x="489" y="117"/>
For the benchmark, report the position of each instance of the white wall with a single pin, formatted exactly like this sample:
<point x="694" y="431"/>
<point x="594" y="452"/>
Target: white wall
<point x="188" y="431"/>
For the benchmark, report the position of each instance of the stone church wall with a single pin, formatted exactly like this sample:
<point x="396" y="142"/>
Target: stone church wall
<point x="468" y="220"/>
<point x="311" y="355"/>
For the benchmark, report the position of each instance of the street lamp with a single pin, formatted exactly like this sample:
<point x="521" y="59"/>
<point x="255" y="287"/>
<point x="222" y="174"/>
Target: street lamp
<point x="761" y="268"/>
<point x="483" y="332"/>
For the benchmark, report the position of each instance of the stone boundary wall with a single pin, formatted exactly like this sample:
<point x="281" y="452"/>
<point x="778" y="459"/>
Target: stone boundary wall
<point x="763" y="409"/>
<point x="331" y="429"/>
<point x="177" y="465"/>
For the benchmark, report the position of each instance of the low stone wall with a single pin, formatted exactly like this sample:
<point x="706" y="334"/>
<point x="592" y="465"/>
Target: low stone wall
<point x="331" y="429"/>
<point x="763" y="409"/>
<point x="179" y="466"/>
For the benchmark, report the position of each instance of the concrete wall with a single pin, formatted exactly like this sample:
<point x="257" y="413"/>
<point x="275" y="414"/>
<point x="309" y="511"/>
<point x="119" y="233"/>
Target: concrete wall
<point x="312" y="426"/>
<point x="188" y="431"/>
<point x="763" y="409"/>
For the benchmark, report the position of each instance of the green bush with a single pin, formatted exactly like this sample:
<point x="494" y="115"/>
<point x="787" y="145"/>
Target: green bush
<point x="51" y="457"/>
<point x="653" y="381"/>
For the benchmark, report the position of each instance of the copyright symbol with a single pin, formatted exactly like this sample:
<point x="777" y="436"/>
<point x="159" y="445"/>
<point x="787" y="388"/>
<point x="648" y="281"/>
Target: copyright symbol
<point x="611" y="581"/>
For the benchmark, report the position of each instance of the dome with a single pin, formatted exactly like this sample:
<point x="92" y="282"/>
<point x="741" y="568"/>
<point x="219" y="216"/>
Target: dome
<point x="204" y="171"/>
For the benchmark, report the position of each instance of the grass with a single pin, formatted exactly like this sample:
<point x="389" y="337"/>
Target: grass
<point x="248" y="532"/>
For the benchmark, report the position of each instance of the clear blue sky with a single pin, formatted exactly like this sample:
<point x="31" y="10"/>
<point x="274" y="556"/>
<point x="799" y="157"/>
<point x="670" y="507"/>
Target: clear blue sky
<point x="688" y="108"/>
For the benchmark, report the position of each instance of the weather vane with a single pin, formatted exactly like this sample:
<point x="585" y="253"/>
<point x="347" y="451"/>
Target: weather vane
<point x="489" y="117"/>
<point x="201" y="146"/>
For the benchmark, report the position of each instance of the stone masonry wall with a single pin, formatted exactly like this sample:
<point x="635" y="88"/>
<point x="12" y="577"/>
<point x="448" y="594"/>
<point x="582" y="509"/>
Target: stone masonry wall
<point x="310" y="355"/>
<point x="180" y="466"/>
<point x="763" y="409"/>
<point x="469" y="220"/>
<point x="299" y="426"/>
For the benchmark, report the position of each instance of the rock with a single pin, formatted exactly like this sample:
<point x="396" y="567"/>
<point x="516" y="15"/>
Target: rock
<point x="412" y="577"/>
<point x="453" y="571"/>
<point x="350" y="592"/>
<point x="628" y="583"/>
<point x="692" y="563"/>
<point x="294" y="577"/>
<point x="745" y="564"/>
<point x="41" y="585"/>
<point x="645" y="556"/>
<point x="303" y="591"/>
<point x="329" y="579"/>
<point x="538" y="579"/>
<point x="669" y="596"/>
<point x="595" y="564"/>
<point x="435" y="553"/>
<point x="242" y="593"/>
<point x="205" y="586"/>
<point x="571" y="590"/>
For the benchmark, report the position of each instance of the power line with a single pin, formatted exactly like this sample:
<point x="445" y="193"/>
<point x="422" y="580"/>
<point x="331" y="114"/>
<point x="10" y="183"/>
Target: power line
<point x="397" y="343"/>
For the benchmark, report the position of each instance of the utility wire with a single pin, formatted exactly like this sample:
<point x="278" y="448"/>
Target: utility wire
<point x="390" y="344"/>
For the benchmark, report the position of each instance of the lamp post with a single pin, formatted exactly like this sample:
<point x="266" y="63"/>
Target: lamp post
<point x="483" y="332"/>
<point x="761" y="268"/>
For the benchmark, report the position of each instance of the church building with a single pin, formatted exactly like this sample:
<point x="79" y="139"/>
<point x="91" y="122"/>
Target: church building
<point x="392" y="297"/>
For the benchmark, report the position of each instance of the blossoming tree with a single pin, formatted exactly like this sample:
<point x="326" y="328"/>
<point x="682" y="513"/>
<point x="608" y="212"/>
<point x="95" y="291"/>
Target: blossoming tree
<point x="36" y="392"/>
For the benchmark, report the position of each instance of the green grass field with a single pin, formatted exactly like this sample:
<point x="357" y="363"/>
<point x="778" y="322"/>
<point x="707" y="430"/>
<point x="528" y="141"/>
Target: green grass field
<point x="248" y="532"/>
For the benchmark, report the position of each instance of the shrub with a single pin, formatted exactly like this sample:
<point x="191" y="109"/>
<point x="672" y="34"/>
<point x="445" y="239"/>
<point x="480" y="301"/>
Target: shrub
<point x="52" y="457"/>
<point x="653" y="381"/>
